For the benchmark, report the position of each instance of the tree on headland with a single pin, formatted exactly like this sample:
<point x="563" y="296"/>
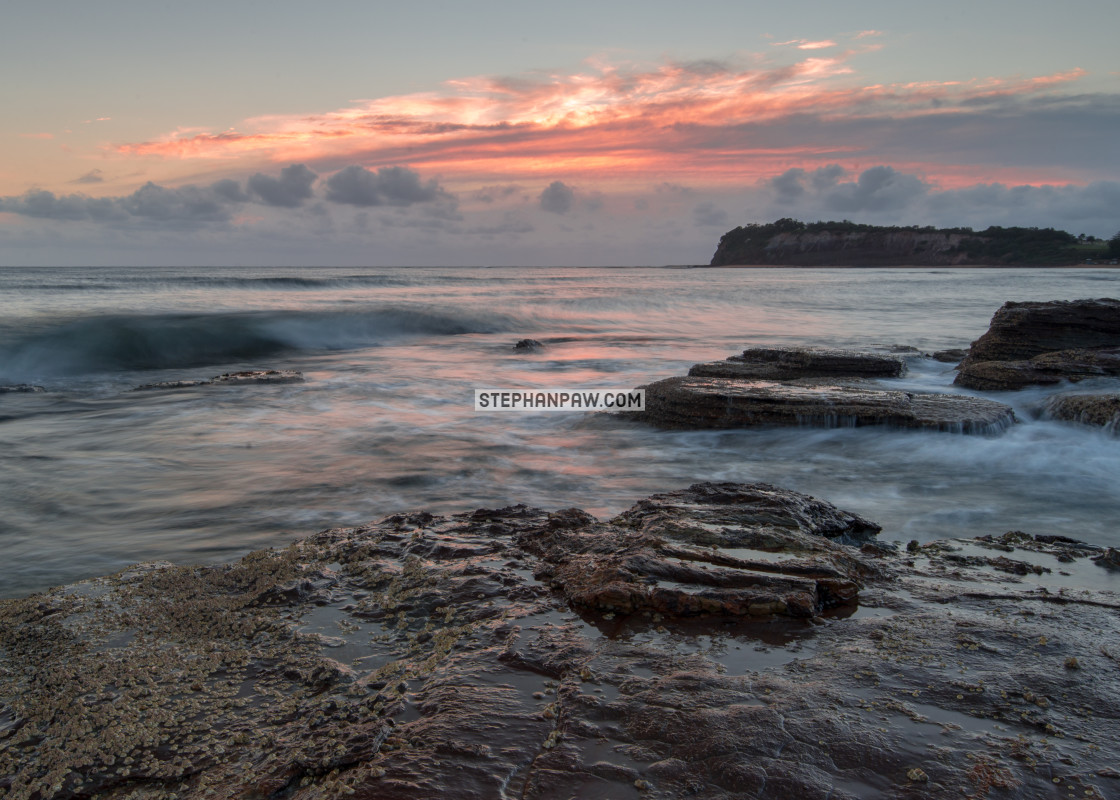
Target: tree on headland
<point x="1114" y="246"/>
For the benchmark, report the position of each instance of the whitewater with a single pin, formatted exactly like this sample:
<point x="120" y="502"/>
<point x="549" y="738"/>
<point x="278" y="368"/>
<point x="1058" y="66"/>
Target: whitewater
<point x="95" y="476"/>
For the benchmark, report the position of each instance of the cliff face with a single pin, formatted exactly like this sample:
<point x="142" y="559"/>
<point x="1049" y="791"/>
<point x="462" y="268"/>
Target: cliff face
<point x="788" y="242"/>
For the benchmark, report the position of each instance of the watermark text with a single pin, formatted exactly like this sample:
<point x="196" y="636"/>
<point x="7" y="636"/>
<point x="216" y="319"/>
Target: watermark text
<point x="567" y="400"/>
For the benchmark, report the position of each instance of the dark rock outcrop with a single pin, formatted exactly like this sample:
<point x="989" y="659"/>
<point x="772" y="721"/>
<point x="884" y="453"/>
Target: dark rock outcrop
<point x="420" y="657"/>
<point x="1102" y="410"/>
<point x="726" y="403"/>
<point x="528" y="344"/>
<point x="1045" y="343"/>
<point x="231" y="379"/>
<point x="789" y="363"/>
<point x="1021" y="331"/>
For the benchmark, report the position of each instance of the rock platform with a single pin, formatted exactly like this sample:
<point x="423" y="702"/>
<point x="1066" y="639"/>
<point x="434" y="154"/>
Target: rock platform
<point x="726" y="640"/>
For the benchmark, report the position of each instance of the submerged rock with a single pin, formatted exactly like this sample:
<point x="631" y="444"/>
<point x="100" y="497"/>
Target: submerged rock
<point x="422" y="656"/>
<point x="949" y="356"/>
<point x="1041" y="343"/>
<point x="1102" y="410"/>
<point x="528" y="344"/>
<point x="231" y="378"/>
<point x="21" y="388"/>
<point x="726" y="403"/>
<point x="788" y="363"/>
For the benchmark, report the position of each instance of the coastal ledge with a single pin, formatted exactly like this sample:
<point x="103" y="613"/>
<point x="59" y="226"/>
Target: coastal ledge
<point x="721" y="640"/>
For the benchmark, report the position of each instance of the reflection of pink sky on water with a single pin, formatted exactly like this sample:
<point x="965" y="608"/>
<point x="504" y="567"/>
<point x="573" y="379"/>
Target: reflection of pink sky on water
<point x="386" y="421"/>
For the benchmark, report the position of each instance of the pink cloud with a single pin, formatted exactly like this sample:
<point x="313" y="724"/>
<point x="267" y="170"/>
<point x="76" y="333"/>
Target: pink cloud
<point x="805" y="44"/>
<point x="607" y="121"/>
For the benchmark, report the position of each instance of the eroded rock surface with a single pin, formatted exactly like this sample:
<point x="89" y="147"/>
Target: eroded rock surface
<point x="420" y="657"/>
<point x="231" y="378"/>
<point x="1044" y="343"/>
<point x="788" y="363"/>
<point x="1102" y="410"/>
<point x="695" y="402"/>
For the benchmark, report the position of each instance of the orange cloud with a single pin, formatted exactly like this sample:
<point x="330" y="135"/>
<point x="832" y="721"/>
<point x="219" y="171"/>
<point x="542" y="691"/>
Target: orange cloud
<point x="696" y="119"/>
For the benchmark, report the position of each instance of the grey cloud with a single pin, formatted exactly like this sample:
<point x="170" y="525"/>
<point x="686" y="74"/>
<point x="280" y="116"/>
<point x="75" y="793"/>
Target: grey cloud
<point x="509" y="225"/>
<point x="93" y="176"/>
<point x="557" y="198"/>
<point x="288" y="191"/>
<point x="150" y="205"/>
<point x="72" y="207"/>
<point x="673" y="188"/>
<point x="793" y="183"/>
<point x="1059" y="206"/>
<point x="707" y="214"/>
<point x="878" y="189"/>
<point x="389" y="186"/>
<point x="492" y="194"/>
<point x="230" y="190"/>
<point x="825" y="177"/>
<point x="789" y="186"/>
<point x="185" y="204"/>
<point x="882" y="194"/>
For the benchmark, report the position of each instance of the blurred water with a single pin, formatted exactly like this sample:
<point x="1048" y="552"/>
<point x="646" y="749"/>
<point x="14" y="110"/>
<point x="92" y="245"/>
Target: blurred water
<point x="94" y="476"/>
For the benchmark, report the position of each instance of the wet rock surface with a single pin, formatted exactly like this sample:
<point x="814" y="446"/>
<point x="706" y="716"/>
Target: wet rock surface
<point x="1044" y="343"/>
<point x="231" y="379"/>
<point x="1102" y="410"/>
<point x="431" y="656"/>
<point x="695" y="402"/>
<point x="789" y="363"/>
<point x="1042" y="370"/>
<point x="528" y="344"/>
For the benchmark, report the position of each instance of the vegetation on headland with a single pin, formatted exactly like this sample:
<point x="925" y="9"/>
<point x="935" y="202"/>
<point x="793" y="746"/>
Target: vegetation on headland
<point x="792" y="242"/>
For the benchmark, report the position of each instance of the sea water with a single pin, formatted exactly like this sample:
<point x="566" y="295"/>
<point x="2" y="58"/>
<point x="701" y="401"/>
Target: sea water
<point x="95" y="476"/>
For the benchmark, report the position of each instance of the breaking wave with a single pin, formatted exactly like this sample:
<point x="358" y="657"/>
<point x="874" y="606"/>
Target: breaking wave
<point x="169" y="341"/>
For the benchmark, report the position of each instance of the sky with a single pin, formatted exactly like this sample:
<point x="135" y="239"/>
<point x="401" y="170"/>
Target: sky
<point x="526" y="133"/>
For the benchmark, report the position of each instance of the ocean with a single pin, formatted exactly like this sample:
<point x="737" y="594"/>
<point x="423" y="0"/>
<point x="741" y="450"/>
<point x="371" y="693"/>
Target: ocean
<point x="95" y="476"/>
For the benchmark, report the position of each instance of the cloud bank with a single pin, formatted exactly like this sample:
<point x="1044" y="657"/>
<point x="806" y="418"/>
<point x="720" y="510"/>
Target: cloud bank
<point x="715" y="121"/>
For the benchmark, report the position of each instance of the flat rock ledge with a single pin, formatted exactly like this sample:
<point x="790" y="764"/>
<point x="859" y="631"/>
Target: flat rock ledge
<point x="231" y="379"/>
<point x="1101" y="410"/>
<point x="516" y="653"/>
<point x="789" y="363"/>
<point x="1039" y="343"/>
<point x="693" y="402"/>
